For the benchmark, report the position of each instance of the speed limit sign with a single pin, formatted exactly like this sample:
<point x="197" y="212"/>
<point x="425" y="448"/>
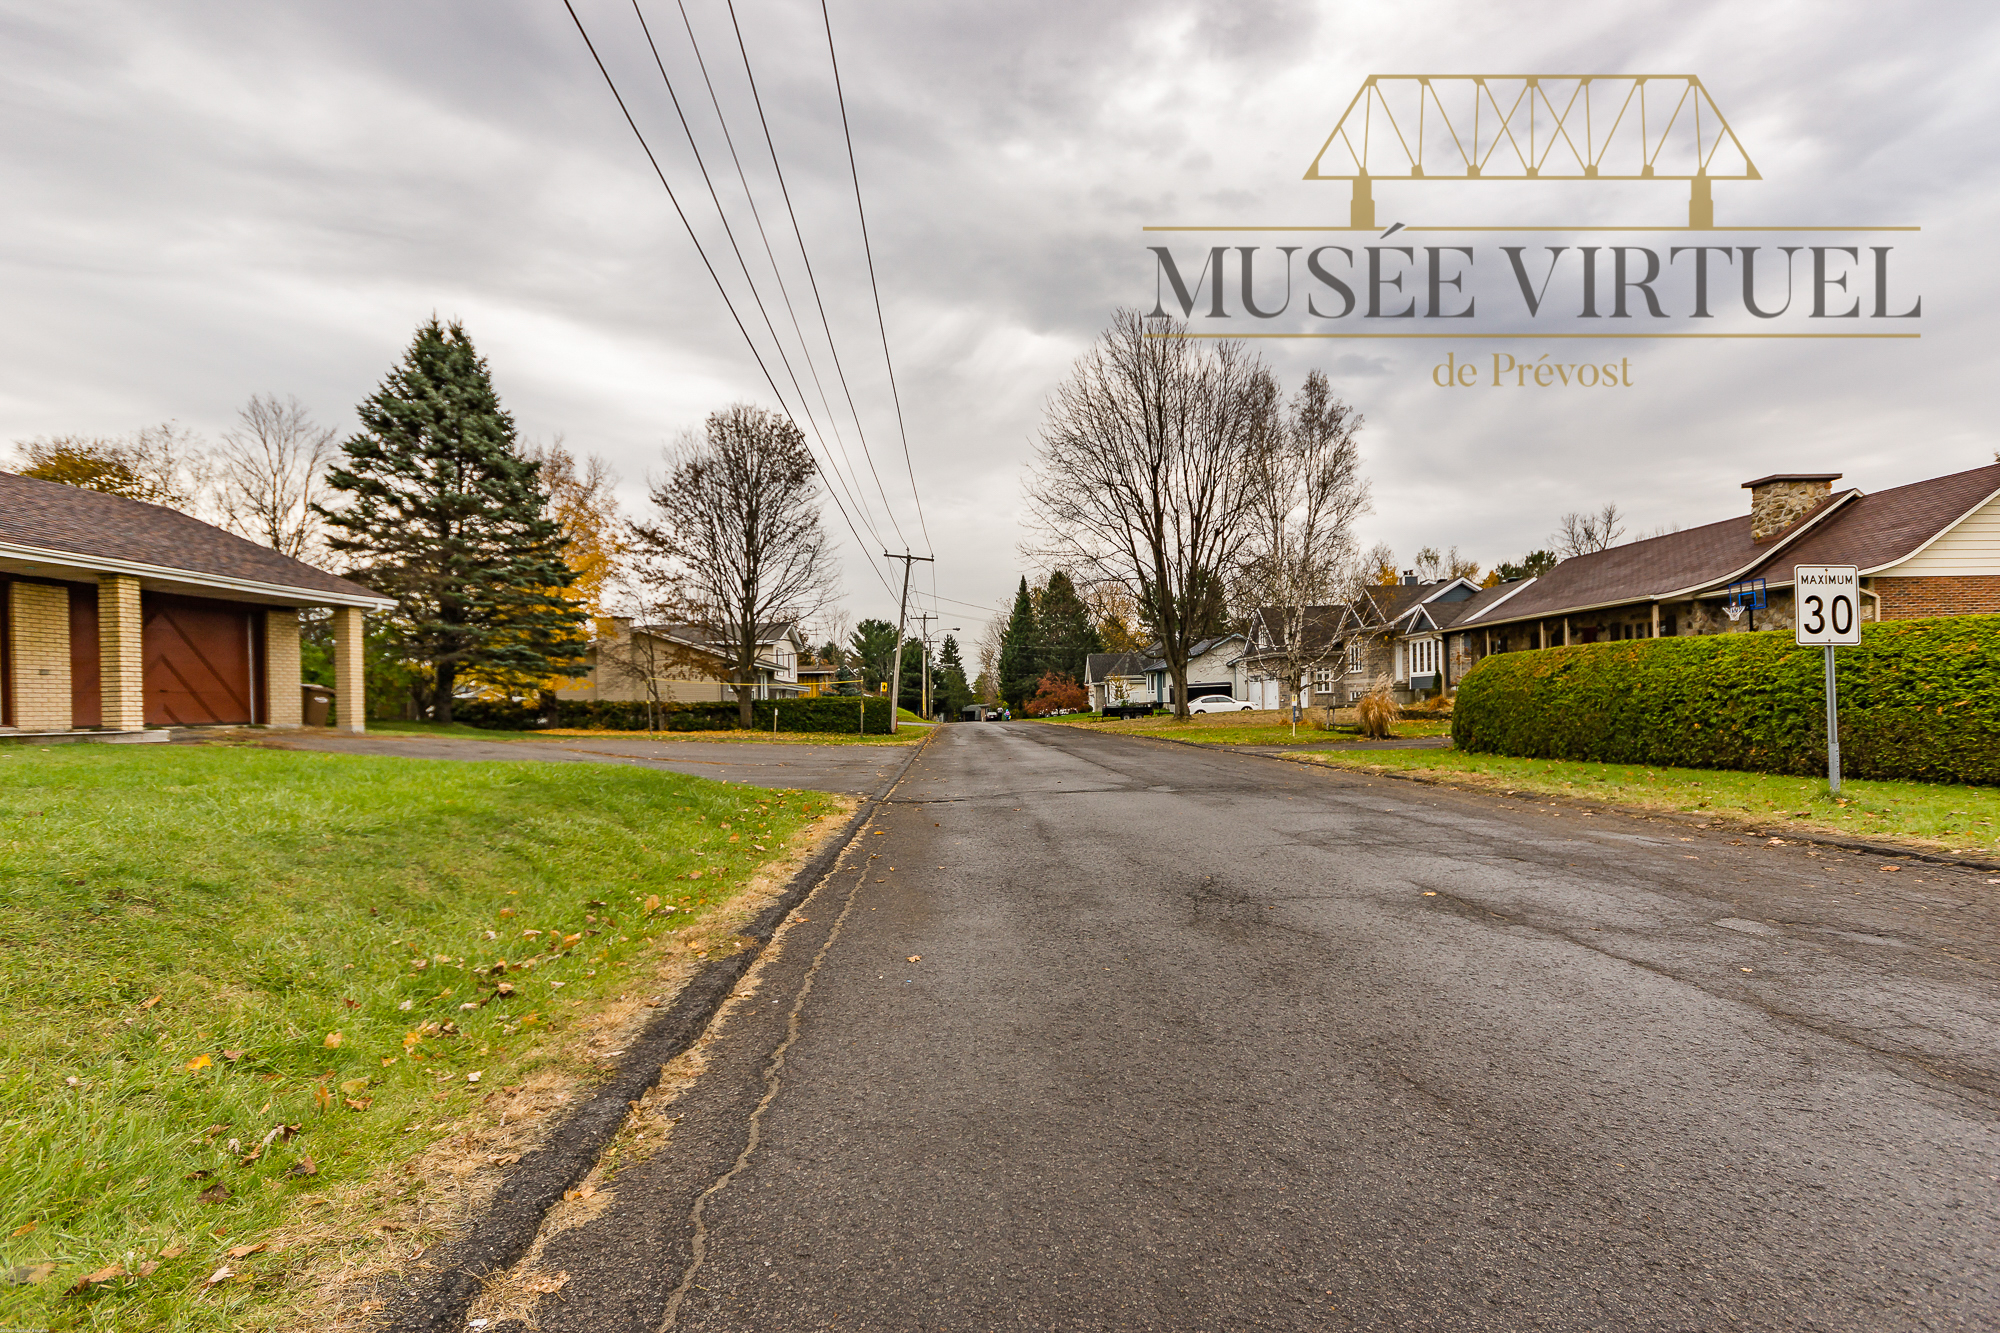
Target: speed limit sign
<point x="1827" y="615"/>
<point x="1828" y="605"/>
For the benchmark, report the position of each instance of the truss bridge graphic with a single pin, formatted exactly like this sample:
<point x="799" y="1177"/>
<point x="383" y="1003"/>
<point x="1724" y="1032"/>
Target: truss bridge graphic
<point x="1460" y="127"/>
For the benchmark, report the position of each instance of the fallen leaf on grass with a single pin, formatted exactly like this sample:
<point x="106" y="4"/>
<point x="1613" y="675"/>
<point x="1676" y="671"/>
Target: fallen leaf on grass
<point x="240" y="1251"/>
<point x="25" y="1228"/>
<point x="150" y="1003"/>
<point x="652" y="903"/>
<point x="359" y="1103"/>
<point x="196" y="1175"/>
<point x="543" y="1286"/>
<point x="173" y="1252"/>
<point x="29" y="1274"/>
<point x="251" y="1156"/>
<point x="200" y="1062"/>
<point x="215" y="1193"/>
<point x="222" y="1274"/>
<point x="147" y="1269"/>
<point x="306" y="1166"/>
<point x="580" y="1192"/>
<point x="101" y="1276"/>
<point x="473" y="1077"/>
<point x="354" y="1086"/>
<point x="570" y="941"/>
<point x="333" y="1039"/>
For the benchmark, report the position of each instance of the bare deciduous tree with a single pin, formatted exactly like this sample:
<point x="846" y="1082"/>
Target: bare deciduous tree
<point x="1581" y="534"/>
<point x="1305" y="491"/>
<point x="737" y="542"/>
<point x="164" y="465"/>
<point x="271" y="469"/>
<point x="1433" y="566"/>
<point x="1141" y="473"/>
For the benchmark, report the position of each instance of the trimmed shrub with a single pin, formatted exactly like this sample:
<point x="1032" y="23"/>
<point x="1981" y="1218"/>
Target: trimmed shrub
<point x="1918" y="699"/>
<point x="829" y="713"/>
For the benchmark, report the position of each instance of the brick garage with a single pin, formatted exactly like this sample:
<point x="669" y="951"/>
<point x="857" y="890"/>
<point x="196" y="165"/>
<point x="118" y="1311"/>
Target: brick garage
<point x="117" y="617"/>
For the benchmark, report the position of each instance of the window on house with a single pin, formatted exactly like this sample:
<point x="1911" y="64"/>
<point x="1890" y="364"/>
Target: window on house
<point x="1423" y="657"/>
<point x="1323" y="681"/>
<point x="1353" y="657"/>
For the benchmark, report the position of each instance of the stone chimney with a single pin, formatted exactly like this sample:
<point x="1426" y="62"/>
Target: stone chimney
<point x="1781" y="499"/>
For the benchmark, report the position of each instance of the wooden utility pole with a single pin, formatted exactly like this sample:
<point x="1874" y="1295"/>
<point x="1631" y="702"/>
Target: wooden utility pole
<point x="902" y="619"/>
<point x="927" y="617"/>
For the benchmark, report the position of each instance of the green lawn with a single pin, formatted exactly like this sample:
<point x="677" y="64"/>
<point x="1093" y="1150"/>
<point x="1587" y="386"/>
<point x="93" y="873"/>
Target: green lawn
<point x="1263" y="727"/>
<point x="1956" y="818"/>
<point x="199" y="946"/>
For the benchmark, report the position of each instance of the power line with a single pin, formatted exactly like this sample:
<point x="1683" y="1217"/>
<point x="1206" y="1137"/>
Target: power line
<point x="721" y="290"/>
<point x="730" y="232"/>
<point x="813" y="279"/>
<point x="784" y="292"/>
<point x="855" y="172"/>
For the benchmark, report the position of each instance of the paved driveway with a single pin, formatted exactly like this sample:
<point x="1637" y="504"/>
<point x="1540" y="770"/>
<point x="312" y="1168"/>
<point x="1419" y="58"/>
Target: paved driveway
<point x="1107" y="1034"/>
<point x="860" y="769"/>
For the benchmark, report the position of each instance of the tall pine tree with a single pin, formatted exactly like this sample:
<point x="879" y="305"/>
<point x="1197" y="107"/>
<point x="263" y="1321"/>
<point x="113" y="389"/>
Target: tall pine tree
<point x="1020" y="652"/>
<point x="948" y="683"/>
<point x="445" y="515"/>
<point x="1068" y="637"/>
<point x="872" y="647"/>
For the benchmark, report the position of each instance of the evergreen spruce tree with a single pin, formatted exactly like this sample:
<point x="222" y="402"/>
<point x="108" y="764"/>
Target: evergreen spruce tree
<point x="872" y="651"/>
<point x="445" y="515"/>
<point x="1068" y="637"/>
<point x="1020" y="652"/>
<point x="948" y="683"/>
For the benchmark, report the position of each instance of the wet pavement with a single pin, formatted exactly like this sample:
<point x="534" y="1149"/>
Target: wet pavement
<point x="1090" y="1032"/>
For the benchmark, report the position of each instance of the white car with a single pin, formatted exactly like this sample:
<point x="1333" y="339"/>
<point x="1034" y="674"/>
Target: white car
<point x="1220" y="703"/>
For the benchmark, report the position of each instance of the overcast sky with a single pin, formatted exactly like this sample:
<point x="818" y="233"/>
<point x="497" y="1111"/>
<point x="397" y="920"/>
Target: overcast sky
<point x="208" y="200"/>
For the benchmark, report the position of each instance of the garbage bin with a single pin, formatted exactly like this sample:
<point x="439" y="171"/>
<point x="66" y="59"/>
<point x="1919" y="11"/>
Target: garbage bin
<point x="318" y="704"/>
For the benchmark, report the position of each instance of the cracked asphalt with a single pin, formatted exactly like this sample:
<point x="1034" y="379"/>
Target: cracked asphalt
<point x="1201" y="1040"/>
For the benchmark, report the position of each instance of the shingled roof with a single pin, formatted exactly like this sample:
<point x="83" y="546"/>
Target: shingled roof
<point x="1850" y="527"/>
<point x="1884" y="528"/>
<point x="43" y="519"/>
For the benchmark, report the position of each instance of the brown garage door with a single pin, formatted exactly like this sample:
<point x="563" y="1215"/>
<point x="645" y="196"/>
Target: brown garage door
<point x="86" y="685"/>
<point x="198" y="661"/>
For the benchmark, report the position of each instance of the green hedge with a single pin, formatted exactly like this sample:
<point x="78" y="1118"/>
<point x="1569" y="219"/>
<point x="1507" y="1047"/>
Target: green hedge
<point x="1918" y="699"/>
<point x="831" y="713"/>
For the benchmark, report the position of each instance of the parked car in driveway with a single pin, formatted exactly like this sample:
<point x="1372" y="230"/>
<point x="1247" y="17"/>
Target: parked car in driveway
<point x="1220" y="703"/>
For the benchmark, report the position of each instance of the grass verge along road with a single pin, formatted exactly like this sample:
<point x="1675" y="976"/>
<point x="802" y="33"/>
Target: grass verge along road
<point x="1934" y="816"/>
<point x="248" y="990"/>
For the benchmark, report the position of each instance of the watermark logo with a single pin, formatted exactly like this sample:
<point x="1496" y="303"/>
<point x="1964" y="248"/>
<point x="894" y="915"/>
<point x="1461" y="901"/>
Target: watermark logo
<point x="1625" y="280"/>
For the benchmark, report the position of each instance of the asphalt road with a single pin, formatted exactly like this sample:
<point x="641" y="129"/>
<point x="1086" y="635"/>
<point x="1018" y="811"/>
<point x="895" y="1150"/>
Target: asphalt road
<point x="1206" y="1041"/>
<point x="859" y="769"/>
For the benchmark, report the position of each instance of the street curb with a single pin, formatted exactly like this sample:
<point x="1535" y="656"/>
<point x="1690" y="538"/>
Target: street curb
<point x="513" y="1218"/>
<point x="1742" y="824"/>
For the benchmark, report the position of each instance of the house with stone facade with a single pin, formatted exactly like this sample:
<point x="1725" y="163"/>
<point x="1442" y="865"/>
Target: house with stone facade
<point x="1929" y="548"/>
<point x="120" y="618"/>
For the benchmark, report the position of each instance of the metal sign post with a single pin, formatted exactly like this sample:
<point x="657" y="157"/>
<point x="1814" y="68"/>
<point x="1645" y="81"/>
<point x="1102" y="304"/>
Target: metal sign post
<point x="1827" y="606"/>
